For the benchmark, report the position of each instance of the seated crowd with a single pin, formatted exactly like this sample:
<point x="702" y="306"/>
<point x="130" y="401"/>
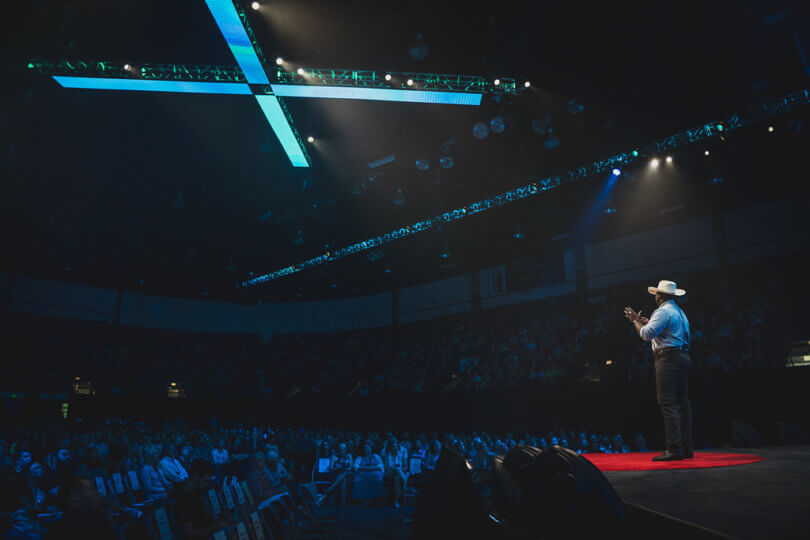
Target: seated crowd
<point x="735" y="322"/>
<point x="65" y="477"/>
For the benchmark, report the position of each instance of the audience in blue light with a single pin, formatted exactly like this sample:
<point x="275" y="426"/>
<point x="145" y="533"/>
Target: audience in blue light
<point x="121" y="461"/>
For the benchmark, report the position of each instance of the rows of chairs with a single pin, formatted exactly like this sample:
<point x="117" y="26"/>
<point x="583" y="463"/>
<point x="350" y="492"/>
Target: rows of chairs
<point x="289" y="515"/>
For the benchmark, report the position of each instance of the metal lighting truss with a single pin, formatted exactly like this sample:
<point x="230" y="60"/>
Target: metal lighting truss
<point x="251" y="78"/>
<point x="733" y="121"/>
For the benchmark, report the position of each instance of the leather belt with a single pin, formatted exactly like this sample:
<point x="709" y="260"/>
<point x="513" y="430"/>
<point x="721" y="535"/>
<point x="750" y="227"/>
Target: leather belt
<point x="684" y="348"/>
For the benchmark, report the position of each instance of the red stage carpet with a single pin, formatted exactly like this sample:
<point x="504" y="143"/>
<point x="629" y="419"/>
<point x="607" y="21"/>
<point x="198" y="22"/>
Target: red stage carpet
<point x="642" y="461"/>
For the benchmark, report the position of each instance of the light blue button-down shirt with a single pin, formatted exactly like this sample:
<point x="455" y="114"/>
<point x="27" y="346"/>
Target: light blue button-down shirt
<point x="668" y="327"/>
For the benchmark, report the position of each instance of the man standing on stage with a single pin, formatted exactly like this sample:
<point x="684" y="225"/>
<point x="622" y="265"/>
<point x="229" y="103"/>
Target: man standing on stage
<point x="668" y="329"/>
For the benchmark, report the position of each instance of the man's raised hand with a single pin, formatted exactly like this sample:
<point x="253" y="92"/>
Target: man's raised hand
<point x="631" y="315"/>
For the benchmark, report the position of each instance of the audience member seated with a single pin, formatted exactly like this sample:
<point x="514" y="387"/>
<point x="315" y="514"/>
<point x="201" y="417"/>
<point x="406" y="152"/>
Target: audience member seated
<point x="190" y="511"/>
<point x="83" y="513"/>
<point x="277" y="473"/>
<point x="28" y="492"/>
<point x="394" y="463"/>
<point x="170" y="466"/>
<point x="219" y="455"/>
<point x="368" y="476"/>
<point x="154" y="483"/>
<point x="258" y="481"/>
<point x="340" y="473"/>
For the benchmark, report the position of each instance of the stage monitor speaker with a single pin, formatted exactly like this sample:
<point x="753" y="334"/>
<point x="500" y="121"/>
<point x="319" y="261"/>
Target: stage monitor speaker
<point x="555" y="492"/>
<point x="448" y="505"/>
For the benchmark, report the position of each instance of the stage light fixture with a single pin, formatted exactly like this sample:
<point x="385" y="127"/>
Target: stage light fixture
<point x="127" y="66"/>
<point x="480" y="130"/>
<point x="551" y="141"/>
<point x="635" y="153"/>
<point x="410" y="82"/>
<point x="770" y="129"/>
<point x="575" y="106"/>
<point x="669" y="159"/>
<point x="279" y="61"/>
<point x="310" y="139"/>
<point x="497" y="82"/>
<point x="399" y="198"/>
<point x="706" y="153"/>
<point x="387" y="76"/>
<point x="719" y="127"/>
<point x="654" y="162"/>
<point x="616" y="172"/>
<point x="255" y="5"/>
<point x="527" y="84"/>
<point x="300" y="71"/>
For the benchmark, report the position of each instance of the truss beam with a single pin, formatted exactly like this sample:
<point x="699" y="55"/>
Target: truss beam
<point x="731" y="122"/>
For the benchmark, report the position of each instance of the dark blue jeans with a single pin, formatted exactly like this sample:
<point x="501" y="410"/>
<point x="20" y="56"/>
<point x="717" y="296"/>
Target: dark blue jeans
<point x="671" y="382"/>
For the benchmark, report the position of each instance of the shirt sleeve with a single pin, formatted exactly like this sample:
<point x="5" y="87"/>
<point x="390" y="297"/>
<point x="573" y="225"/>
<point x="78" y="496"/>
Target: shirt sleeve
<point x="657" y="324"/>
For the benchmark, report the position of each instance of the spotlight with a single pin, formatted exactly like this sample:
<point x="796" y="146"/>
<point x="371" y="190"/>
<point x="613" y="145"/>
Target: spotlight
<point x="310" y="139"/>
<point x="300" y="71"/>
<point x="527" y="84"/>
<point x="551" y="141"/>
<point x="497" y="82"/>
<point x="399" y="198"/>
<point x="255" y="5"/>
<point x="635" y="153"/>
<point x="770" y="129"/>
<point x="575" y="107"/>
<point x="719" y="127"/>
<point x="654" y="162"/>
<point x="127" y="66"/>
<point x="480" y="130"/>
<point x="387" y="76"/>
<point x="706" y="153"/>
<point x="669" y="159"/>
<point x="410" y="82"/>
<point x="616" y="172"/>
<point x="279" y="61"/>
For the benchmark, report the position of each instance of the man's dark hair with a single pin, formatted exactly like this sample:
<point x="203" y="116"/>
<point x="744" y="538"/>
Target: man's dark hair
<point x="200" y="466"/>
<point x="68" y="486"/>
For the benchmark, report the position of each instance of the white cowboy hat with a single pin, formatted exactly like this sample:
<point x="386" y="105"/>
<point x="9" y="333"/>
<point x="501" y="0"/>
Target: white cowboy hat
<point x="666" y="287"/>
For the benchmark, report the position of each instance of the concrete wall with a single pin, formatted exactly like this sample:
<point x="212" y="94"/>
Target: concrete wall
<point x="771" y="229"/>
<point x="452" y="295"/>
<point x="656" y="253"/>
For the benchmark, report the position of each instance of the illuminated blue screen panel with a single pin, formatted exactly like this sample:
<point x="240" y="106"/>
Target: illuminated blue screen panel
<point x="101" y="83"/>
<point x="278" y="121"/>
<point x="234" y="33"/>
<point x="377" y="94"/>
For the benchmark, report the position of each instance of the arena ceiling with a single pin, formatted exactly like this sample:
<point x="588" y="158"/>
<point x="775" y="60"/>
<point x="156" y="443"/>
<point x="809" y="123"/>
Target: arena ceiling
<point x="92" y="180"/>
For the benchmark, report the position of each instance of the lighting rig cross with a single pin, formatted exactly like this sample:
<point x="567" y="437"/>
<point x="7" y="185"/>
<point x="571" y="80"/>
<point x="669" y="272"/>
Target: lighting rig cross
<point x="250" y="78"/>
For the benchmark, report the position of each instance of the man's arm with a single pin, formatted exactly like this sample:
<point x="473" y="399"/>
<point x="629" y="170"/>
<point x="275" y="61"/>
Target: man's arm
<point x="657" y="324"/>
<point x="647" y="328"/>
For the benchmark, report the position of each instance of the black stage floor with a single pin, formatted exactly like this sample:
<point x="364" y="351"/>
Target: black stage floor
<point x="768" y="499"/>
